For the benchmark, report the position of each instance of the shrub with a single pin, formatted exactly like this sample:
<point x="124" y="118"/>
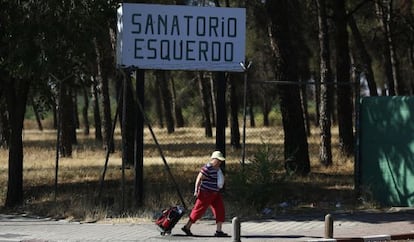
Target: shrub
<point x="257" y="181"/>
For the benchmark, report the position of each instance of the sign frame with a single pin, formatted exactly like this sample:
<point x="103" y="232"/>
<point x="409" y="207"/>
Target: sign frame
<point x="177" y="37"/>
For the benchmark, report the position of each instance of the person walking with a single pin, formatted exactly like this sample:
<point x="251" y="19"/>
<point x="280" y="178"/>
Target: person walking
<point x="208" y="183"/>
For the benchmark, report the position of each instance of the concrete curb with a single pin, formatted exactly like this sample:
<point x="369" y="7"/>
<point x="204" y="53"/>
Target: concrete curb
<point x="370" y="238"/>
<point x="348" y="227"/>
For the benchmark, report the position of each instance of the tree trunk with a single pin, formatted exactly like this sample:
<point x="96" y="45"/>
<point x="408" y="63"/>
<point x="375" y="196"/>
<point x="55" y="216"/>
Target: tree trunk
<point x="66" y="122"/>
<point x="356" y="77"/>
<point x="411" y="58"/>
<point x="4" y="124"/>
<point x="128" y="125"/>
<point x="158" y="103"/>
<point x="177" y="106"/>
<point x="317" y="100"/>
<point x="4" y="119"/>
<point x="103" y="64"/>
<point x="250" y="110"/>
<point x="304" y="96"/>
<point x="37" y="115"/>
<point x="139" y="142"/>
<point x="266" y="93"/>
<point x="343" y="77"/>
<point x="75" y="116"/>
<point x="234" y="114"/>
<point x="212" y="102"/>
<point x="325" y="152"/>
<point x="365" y="57"/>
<point x="384" y="11"/>
<point x="107" y="119"/>
<point x="266" y="107"/>
<point x="85" y="111"/>
<point x="96" y="112"/>
<point x="281" y="27"/>
<point x="75" y="108"/>
<point x="16" y="98"/>
<point x="205" y="104"/>
<point x="166" y="100"/>
<point x="250" y="103"/>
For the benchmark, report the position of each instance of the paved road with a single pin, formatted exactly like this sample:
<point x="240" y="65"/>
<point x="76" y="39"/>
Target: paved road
<point x="280" y="228"/>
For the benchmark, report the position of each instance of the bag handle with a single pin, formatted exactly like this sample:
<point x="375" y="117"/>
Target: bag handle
<point x="167" y="167"/>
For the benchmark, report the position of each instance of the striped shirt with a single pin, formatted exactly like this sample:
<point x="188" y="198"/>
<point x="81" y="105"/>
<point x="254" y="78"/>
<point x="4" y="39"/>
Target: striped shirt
<point x="209" y="183"/>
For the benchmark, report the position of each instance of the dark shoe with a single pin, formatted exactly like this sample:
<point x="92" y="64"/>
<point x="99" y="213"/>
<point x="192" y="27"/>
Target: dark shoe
<point x="220" y="234"/>
<point x="187" y="231"/>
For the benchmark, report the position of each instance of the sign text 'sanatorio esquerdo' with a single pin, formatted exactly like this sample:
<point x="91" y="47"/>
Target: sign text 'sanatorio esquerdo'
<point x="180" y="37"/>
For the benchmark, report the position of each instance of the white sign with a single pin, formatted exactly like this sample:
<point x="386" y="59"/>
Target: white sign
<point x="173" y="37"/>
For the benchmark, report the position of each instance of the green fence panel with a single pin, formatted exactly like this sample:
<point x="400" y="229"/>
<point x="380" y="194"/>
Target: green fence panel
<point x="386" y="150"/>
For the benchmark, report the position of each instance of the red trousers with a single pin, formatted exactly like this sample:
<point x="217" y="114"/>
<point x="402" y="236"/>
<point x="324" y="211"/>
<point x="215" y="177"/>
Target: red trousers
<point x="207" y="199"/>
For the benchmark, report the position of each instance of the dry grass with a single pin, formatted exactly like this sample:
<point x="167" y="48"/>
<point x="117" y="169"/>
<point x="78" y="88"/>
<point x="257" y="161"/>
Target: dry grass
<point x="186" y="151"/>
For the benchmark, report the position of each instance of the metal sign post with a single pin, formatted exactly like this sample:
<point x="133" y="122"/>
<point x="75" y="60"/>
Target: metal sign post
<point x="245" y="68"/>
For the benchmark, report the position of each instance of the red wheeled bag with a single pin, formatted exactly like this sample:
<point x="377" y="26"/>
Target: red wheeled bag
<point x="169" y="219"/>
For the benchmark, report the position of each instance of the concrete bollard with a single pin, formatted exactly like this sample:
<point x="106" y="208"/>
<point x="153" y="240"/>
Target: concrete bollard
<point x="236" y="229"/>
<point x="328" y="226"/>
